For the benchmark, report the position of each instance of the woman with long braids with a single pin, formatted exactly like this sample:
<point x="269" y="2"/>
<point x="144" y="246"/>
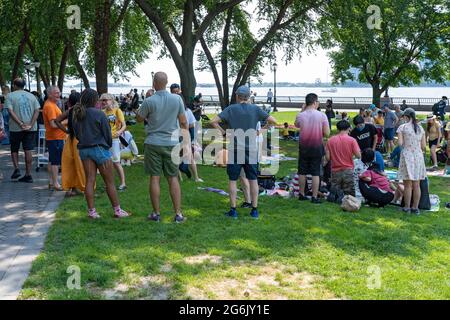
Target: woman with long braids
<point x="411" y="137"/>
<point x="93" y="132"/>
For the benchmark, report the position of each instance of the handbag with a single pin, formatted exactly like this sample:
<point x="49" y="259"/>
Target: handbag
<point x="124" y="142"/>
<point x="350" y="203"/>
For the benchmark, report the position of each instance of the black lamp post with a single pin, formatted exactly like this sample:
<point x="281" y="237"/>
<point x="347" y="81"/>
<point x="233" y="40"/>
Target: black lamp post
<point x="274" y="68"/>
<point x="153" y="78"/>
<point x="37" y="64"/>
<point x="28" y="67"/>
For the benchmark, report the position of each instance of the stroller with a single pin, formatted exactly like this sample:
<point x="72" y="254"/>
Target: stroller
<point x="381" y="146"/>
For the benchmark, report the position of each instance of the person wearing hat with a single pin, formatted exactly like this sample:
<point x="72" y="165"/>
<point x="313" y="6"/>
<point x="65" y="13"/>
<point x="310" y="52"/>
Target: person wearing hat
<point x="411" y="137"/>
<point x="118" y="126"/>
<point x="433" y="136"/>
<point x="243" y="117"/>
<point x="374" y="110"/>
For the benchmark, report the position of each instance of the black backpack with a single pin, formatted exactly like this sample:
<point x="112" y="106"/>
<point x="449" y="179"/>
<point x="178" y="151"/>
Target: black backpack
<point x="424" y="202"/>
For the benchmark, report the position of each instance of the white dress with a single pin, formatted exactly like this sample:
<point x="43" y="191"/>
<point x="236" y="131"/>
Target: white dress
<point x="412" y="162"/>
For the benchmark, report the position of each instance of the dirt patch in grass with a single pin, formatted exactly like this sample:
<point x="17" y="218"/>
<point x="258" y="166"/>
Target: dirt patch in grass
<point x="261" y="281"/>
<point x="204" y="258"/>
<point x="141" y="288"/>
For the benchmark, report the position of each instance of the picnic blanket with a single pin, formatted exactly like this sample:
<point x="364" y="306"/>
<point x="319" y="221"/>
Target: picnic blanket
<point x="218" y="191"/>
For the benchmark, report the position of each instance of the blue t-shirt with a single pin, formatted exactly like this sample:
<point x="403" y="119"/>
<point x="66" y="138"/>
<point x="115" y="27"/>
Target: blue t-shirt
<point x="244" y="117"/>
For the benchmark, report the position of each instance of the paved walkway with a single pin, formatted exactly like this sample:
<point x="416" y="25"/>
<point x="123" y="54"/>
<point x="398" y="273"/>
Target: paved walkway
<point x="26" y="213"/>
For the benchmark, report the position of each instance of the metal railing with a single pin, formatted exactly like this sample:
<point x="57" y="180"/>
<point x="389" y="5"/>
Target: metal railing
<point x="212" y="100"/>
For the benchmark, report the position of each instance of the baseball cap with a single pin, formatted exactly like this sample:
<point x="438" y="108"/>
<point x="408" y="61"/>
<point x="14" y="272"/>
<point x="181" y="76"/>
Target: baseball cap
<point x="243" y="91"/>
<point x="372" y="106"/>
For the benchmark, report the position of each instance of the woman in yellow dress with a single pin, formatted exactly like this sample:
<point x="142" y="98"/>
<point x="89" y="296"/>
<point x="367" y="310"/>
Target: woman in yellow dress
<point x="72" y="172"/>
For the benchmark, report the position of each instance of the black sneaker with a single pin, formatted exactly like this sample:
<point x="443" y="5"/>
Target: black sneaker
<point x="16" y="174"/>
<point x="302" y="197"/>
<point x="154" y="217"/>
<point x="315" y="200"/>
<point x="179" y="218"/>
<point x="415" y="212"/>
<point x="26" y="179"/>
<point x="246" y="205"/>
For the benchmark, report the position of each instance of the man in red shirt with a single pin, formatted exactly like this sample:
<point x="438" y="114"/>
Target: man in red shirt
<point x="340" y="150"/>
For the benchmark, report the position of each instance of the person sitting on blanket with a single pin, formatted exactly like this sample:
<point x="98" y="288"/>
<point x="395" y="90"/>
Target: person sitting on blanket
<point x="374" y="185"/>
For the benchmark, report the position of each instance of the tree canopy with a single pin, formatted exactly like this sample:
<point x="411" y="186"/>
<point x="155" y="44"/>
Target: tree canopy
<point x="408" y="45"/>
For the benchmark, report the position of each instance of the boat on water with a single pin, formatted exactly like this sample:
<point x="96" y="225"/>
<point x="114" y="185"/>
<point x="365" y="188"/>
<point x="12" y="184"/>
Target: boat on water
<point x="332" y="90"/>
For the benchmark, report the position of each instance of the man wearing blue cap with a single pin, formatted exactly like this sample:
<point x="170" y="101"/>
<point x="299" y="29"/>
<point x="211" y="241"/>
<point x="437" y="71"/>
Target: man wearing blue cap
<point x="242" y="119"/>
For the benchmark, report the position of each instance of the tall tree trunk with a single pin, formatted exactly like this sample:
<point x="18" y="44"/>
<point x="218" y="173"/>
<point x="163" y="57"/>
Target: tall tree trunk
<point x="80" y="69"/>
<point x="19" y="55"/>
<point x="212" y="64"/>
<point x="41" y="70"/>
<point x="376" y="94"/>
<point x="187" y="75"/>
<point x="2" y="79"/>
<point x="62" y="67"/>
<point x="101" y="49"/>
<point x="52" y="68"/>
<point x="224" y="59"/>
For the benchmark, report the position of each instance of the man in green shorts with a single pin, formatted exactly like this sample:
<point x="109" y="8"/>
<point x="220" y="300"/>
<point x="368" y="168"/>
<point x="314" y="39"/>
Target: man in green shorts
<point x="165" y="115"/>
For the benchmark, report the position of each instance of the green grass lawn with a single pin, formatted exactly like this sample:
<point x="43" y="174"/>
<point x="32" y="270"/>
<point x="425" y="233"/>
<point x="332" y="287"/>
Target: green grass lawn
<point x="295" y="251"/>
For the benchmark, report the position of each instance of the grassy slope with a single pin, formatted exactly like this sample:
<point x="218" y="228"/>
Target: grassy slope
<point x="337" y="248"/>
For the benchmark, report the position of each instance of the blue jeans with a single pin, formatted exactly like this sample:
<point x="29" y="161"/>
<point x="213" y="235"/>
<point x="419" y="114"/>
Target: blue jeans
<point x="379" y="160"/>
<point x="395" y="156"/>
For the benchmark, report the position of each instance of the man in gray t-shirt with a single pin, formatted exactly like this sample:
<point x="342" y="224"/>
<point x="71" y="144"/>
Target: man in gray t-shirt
<point x="165" y="115"/>
<point x="390" y="121"/>
<point x="242" y="118"/>
<point x="23" y="108"/>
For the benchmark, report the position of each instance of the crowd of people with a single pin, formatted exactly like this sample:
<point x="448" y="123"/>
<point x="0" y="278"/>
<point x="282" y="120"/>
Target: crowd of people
<point x="375" y="132"/>
<point x="88" y="135"/>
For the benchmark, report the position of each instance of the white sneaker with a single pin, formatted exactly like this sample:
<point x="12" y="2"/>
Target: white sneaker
<point x="121" y="214"/>
<point x="94" y="216"/>
<point x="199" y="180"/>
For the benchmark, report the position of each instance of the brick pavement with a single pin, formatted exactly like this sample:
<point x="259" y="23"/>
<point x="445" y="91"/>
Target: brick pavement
<point x="26" y="213"/>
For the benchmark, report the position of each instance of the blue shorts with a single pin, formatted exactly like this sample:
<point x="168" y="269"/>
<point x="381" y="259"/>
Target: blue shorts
<point x="97" y="154"/>
<point x="55" y="150"/>
<point x="234" y="171"/>
<point x="389" y="133"/>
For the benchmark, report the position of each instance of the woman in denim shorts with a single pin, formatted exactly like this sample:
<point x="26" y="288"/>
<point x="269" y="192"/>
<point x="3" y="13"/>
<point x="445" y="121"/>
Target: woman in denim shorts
<point x="93" y="132"/>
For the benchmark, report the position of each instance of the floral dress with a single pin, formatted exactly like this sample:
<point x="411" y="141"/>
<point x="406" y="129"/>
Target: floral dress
<point x="412" y="162"/>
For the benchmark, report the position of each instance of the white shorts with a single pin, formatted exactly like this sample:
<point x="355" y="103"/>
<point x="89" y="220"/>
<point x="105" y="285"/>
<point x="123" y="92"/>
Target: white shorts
<point x="115" y="150"/>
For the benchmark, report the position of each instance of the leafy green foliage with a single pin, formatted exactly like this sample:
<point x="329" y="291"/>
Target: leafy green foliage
<point x="411" y="45"/>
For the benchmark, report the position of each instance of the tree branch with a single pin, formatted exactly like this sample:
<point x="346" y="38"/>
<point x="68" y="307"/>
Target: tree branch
<point x="163" y="32"/>
<point x="115" y="26"/>
<point x="209" y="18"/>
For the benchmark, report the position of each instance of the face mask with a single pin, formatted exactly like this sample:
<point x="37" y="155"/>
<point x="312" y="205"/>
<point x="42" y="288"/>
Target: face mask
<point x="360" y="128"/>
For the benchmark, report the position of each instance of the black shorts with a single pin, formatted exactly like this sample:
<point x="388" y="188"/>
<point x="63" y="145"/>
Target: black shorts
<point x="26" y="138"/>
<point x="310" y="162"/>
<point x="312" y="166"/>
<point x="433" y="143"/>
